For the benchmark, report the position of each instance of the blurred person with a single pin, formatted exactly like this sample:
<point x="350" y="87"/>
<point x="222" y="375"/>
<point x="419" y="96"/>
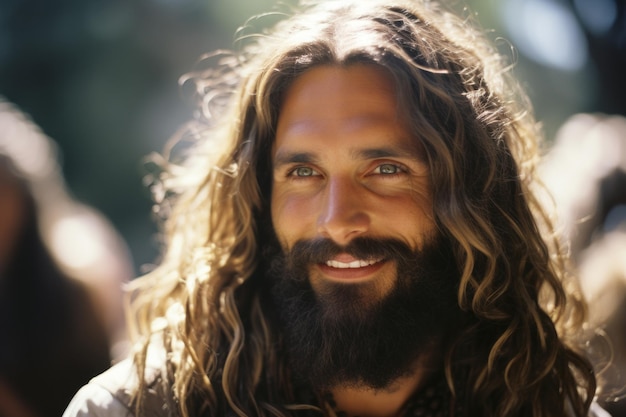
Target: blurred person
<point x="356" y="231"/>
<point x="586" y="172"/>
<point x="603" y="274"/>
<point x="591" y="149"/>
<point x="61" y="271"/>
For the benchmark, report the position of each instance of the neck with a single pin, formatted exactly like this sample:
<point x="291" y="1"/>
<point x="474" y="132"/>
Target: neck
<point x="363" y="401"/>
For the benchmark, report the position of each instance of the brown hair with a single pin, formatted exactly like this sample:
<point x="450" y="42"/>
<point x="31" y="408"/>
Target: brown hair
<point x="518" y="352"/>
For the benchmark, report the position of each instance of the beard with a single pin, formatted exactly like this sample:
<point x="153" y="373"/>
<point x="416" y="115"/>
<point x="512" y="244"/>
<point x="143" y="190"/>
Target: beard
<point x="348" y="334"/>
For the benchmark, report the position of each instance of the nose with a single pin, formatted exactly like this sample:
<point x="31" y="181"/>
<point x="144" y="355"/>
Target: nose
<point x="343" y="214"/>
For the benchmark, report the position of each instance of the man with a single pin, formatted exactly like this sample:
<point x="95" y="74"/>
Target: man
<point x="355" y="234"/>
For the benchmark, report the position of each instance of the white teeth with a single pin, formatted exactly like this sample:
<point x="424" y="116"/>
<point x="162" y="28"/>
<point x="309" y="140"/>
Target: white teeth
<point x="353" y="264"/>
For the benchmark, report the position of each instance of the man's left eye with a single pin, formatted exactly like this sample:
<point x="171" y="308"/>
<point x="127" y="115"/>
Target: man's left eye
<point x="387" y="169"/>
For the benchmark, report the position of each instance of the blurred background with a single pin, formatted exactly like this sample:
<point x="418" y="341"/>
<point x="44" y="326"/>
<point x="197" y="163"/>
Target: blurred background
<point x="100" y="77"/>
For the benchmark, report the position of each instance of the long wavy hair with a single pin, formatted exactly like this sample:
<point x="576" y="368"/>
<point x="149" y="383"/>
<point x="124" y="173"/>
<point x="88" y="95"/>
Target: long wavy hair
<point x="518" y="351"/>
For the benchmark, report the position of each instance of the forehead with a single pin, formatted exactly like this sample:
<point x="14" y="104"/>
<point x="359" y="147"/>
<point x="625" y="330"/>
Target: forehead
<point x="339" y="98"/>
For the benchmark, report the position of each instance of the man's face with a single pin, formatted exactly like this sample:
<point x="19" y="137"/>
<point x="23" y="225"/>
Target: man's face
<point x="364" y="286"/>
<point x="346" y="166"/>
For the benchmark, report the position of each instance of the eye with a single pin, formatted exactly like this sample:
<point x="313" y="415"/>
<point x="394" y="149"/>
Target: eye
<point x="388" y="169"/>
<point x="303" y="172"/>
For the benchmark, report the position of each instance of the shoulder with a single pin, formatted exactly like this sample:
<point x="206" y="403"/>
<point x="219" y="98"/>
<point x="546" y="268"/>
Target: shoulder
<point x="111" y="393"/>
<point x="104" y="396"/>
<point x="93" y="401"/>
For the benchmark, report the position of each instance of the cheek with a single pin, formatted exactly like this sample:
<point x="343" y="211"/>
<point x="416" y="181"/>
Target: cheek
<point x="291" y="215"/>
<point x="409" y="217"/>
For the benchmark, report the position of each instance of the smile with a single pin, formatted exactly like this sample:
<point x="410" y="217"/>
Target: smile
<point x="360" y="263"/>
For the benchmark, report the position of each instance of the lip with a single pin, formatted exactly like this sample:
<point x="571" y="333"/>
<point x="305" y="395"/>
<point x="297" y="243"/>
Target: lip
<point x="360" y="273"/>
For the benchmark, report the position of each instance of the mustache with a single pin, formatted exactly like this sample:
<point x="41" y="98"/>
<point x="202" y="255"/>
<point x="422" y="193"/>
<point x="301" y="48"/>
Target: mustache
<point x="319" y="250"/>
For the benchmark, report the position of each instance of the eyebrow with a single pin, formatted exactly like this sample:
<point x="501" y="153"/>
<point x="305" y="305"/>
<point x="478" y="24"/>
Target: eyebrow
<point x="286" y="157"/>
<point x="384" y="152"/>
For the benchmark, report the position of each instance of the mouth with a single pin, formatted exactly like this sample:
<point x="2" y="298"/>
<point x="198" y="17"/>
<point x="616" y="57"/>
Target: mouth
<point x="359" y="263"/>
<point x="345" y="268"/>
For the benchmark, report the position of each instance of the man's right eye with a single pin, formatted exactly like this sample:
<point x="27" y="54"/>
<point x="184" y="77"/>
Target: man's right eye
<point x="303" y="172"/>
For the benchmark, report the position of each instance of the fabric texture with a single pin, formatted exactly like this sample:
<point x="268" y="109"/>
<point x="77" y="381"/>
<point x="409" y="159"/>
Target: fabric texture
<point x="96" y="401"/>
<point x="110" y="394"/>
